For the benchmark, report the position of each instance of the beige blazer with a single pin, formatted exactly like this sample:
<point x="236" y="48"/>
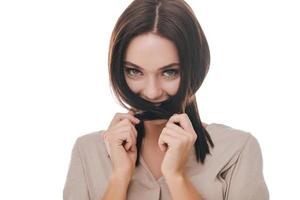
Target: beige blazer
<point x="233" y="171"/>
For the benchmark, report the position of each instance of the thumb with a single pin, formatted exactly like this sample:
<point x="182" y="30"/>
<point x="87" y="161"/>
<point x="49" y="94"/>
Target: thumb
<point x="130" y="112"/>
<point x="133" y="148"/>
<point x="162" y="146"/>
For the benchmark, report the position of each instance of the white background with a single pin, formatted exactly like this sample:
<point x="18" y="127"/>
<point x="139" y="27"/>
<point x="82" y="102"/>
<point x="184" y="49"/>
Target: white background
<point x="54" y="85"/>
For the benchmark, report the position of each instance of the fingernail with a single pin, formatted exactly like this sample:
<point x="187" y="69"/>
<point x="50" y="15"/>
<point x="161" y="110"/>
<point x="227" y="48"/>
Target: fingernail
<point x="137" y="120"/>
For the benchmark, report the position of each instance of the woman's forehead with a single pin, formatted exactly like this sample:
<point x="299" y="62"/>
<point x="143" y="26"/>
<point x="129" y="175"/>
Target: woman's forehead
<point x="150" y="49"/>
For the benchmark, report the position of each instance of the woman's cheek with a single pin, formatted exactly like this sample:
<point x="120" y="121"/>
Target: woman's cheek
<point x="134" y="85"/>
<point x="171" y="87"/>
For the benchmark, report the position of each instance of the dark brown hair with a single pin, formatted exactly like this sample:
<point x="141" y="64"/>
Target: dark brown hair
<point x="174" y="20"/>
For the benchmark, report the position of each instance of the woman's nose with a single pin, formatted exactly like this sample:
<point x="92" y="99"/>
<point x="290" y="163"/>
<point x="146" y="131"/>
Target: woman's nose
<point x="152" y="90"/>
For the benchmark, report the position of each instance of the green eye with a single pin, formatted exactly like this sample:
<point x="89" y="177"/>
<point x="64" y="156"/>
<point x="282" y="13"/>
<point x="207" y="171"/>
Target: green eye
<point x="171" y="72"/>
<point x="132" y="71"/>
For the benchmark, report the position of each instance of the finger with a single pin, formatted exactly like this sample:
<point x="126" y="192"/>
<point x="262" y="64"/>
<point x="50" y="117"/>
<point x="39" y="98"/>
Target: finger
<point x="130" y="112"/>
<point x="123" y="122"/>
<point x="126" y="140"/>
<point x="133" y="137"/>
<point x="133" y="129"/>
<point x="125" y="136"/>
<point x="183" y="138"/>
<point x="165" y="142"/>
<point x="183" y="121"/>
<point x="132" y="141"/>
<point x="174" y="127"/>
<point x="120" y="116"/>
<point x="177" y="129"/>
<point x="126" y="125"/>
<point x="133" y="148"/>
<point x="120" y="135"/>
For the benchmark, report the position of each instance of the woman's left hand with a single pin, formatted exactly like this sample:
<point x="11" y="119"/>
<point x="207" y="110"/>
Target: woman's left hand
<point x="180" y="140"/>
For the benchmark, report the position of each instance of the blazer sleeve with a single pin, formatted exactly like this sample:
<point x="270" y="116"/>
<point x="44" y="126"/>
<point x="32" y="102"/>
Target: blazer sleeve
<point x="75" y="187"/>
<point x="245" y="178"/>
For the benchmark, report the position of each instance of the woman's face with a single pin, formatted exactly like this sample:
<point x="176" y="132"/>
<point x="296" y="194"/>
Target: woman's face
<point x="152" y="67"/>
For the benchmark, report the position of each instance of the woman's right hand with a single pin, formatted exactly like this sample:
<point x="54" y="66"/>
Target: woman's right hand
<point x="120" y="142"/>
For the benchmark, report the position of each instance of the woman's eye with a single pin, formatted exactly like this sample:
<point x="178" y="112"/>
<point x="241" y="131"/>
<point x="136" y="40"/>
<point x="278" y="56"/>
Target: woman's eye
<point x="132" y="71"/>
<point x="171" y="72"/>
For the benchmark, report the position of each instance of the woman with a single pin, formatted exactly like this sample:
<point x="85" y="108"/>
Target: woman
<point x="160" y="149"/>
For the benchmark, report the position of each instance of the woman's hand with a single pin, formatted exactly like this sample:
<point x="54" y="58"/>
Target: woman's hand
<point x="177" y="141"/>
<point x="120" y="142"/>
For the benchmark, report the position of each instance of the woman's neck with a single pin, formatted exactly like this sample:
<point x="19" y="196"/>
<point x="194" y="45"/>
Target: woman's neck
<point x="153" y="130"/>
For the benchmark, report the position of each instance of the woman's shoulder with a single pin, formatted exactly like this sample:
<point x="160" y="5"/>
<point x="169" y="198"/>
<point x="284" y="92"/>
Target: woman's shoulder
<point x="90" y="137"/>
<point x="91" y="143"/>
<point x="220" y="131"/>
<point x="230" y="139"/>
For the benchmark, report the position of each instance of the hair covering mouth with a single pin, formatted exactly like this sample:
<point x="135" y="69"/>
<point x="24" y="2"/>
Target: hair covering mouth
<point x="164" y="111"/>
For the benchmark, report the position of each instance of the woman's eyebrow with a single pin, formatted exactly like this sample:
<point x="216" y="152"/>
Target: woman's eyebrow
<point x="162" y="68"/>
